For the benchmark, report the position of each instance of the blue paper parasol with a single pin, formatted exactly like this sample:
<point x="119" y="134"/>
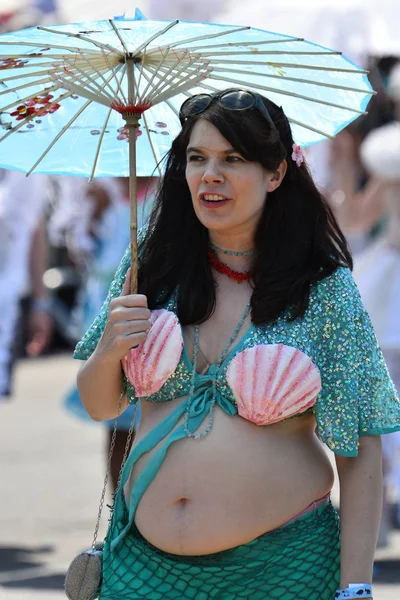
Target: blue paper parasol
<point x="78" y="99"/>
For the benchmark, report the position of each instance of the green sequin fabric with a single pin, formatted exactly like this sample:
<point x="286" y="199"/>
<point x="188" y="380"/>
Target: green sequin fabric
<point x="297" y="561"/>
<point x="357" y="395"/>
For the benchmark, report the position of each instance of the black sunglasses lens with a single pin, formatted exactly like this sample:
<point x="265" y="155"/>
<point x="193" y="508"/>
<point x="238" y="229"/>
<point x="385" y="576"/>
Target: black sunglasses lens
<point x="237" y="100"/>
<point x="195" y="106"/>
<point x="231" y="100"/>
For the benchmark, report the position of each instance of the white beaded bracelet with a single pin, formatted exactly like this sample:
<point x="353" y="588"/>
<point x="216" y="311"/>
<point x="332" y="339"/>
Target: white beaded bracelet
<point x="355" y="590"/>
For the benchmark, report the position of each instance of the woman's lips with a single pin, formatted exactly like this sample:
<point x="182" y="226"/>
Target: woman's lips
<point x="213" y="200"/>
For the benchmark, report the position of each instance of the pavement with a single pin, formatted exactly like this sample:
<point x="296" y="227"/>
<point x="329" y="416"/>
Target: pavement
<point x="51" y="474"/>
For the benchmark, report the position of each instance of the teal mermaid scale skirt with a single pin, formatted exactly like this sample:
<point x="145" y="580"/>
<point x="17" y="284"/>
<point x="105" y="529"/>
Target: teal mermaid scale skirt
<point x="299" y="560"/>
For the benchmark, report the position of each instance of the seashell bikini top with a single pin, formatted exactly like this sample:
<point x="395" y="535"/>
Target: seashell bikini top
<point x="264" y="384"/>
<point x="328" y="362"/>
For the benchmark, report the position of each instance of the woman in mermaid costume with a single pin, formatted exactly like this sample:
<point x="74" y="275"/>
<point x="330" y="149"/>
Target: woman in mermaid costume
<point x="248" y="347"/>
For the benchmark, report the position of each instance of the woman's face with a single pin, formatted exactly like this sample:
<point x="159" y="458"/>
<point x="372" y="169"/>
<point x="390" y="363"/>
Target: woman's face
<point x="228" y="192"/>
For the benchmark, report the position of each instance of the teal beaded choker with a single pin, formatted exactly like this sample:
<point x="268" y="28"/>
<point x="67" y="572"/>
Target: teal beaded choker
<point x="231" y="252"/>
<point x="221" y="359"/>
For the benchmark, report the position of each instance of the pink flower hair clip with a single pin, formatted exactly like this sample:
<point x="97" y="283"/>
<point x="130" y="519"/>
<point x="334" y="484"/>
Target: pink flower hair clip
<point x="297" y="155"/>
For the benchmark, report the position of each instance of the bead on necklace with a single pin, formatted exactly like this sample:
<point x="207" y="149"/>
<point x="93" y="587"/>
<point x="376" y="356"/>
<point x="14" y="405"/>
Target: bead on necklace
<point x="232" y="252"/>
<point x="221" y="358"/>
<point x="220" y="267"/>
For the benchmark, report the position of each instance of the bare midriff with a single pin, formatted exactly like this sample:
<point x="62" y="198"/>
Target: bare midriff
<point x="231" y="486"/>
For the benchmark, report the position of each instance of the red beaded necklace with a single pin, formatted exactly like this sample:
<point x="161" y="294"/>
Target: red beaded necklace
<point x="221" y="267"/>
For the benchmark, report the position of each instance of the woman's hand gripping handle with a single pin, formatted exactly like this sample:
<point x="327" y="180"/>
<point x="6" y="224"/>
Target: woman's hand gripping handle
<point x="127" y="323"/>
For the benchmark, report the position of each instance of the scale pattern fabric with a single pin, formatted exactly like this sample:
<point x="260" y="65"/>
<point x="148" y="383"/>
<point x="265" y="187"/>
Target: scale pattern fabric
<point x="297" y="561"/>
<point x="357" y="395"/>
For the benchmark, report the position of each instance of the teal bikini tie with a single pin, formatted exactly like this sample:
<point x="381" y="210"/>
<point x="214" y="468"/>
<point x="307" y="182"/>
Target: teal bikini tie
<point x="198" y="411"/>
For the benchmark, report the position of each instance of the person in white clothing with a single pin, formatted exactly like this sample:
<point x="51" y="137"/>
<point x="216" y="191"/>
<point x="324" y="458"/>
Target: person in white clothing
<point x="22" y="263"/>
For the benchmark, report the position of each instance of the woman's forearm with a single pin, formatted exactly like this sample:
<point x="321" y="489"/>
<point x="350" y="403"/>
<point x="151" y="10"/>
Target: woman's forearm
<point x="100" y="384"/>
<point x="361" y="489"/>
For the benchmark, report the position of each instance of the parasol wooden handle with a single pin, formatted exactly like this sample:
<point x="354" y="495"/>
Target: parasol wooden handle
<point x="132" y="123"/>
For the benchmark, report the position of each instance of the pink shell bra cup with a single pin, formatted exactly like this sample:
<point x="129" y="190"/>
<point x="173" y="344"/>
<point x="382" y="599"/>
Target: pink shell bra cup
<point x="268" y="382"/>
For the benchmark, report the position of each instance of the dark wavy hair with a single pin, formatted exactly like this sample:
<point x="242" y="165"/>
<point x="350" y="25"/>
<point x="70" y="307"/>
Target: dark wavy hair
<point x="298" y="241"/>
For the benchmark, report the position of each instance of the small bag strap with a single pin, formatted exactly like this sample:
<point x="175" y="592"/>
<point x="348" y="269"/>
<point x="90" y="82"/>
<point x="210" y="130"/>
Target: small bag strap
<point x="107" y="475"/>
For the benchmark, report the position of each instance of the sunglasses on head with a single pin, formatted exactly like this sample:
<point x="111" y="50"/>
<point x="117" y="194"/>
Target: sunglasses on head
<point x="240" y="100"/>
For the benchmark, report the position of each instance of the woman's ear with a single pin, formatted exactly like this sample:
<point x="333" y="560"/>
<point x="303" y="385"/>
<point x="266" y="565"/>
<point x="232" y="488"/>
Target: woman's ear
<point x="276" y="178"/>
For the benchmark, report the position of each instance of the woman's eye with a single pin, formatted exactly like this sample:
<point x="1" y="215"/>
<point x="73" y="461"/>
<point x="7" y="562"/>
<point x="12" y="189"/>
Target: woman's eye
<point x="233" y="159"/>
<point x="195" y="158"/>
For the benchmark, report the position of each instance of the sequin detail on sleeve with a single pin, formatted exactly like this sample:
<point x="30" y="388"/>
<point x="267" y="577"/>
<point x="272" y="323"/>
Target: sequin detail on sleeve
<point x="357" y="397"/>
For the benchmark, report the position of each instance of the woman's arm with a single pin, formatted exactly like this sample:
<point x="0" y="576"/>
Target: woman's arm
<point x="40" y="323"/>
<point x="361" y="489"/>
<point x="99" y="383"/>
